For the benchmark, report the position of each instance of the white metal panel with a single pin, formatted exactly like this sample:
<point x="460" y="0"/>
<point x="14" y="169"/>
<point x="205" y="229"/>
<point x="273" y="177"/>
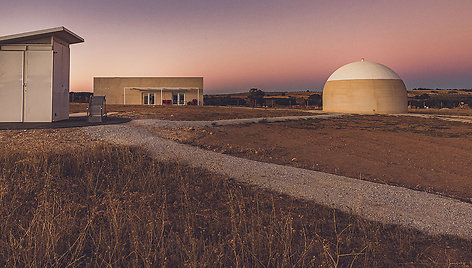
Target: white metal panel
<point x="40" y="47"/>
<point x="60" y="97"/>
<point x="11" y="86"/>
<point x="38" y="89"/>
<point x="14" y="47"/>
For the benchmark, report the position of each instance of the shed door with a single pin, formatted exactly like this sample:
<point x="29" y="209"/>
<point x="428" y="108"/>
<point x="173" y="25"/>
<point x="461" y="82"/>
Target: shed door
<point x="38" y="88"/>
<point x="11" y="86"/>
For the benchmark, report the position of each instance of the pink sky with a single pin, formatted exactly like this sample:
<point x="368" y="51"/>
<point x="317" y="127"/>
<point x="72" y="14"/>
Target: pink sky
<point x="272" y="45"/>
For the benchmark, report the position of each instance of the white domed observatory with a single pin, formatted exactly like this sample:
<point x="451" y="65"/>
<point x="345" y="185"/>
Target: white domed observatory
<point x="365" y="87"/>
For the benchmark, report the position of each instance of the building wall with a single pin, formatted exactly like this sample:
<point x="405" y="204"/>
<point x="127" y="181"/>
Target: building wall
<point x="369" y="96"/>
<point x="117" y="90"/>
<point x="60" y="87"/>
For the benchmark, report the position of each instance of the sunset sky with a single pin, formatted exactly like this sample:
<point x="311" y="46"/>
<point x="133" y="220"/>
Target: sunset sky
<point x="271" y="45"/>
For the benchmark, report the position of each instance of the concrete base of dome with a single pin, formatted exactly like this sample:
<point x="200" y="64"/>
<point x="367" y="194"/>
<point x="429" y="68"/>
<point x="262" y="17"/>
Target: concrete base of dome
<point x="366" y="96"/>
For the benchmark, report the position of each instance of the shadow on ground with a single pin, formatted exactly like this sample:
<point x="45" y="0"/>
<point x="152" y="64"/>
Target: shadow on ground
<point x="72" y="122"/>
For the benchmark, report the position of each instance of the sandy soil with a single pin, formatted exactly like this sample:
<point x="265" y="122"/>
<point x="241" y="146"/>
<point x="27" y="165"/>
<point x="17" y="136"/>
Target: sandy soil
<point x="187" y="113"/>
<point x="418" y="153"/>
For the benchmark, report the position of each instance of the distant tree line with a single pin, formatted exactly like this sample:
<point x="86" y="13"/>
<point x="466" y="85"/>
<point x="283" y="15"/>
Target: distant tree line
<point x="223" y="101"/>
<point x="258" y="98"/>
<point x="451" y="89"/>
<point x="82" y="97"/>
<point x="440" y="100"/>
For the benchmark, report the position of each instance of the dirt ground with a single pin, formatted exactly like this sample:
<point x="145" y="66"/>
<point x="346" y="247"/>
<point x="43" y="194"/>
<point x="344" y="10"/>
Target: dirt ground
<point x="196" y="113"/>
<point x="186" y="113"/>
<point x="425" y="154"/>
<point x="445" y="111"/>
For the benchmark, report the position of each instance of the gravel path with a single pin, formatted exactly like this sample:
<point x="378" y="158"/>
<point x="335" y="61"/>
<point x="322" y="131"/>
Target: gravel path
<point x="455" y="118"/>
<point x="423" y="211"/>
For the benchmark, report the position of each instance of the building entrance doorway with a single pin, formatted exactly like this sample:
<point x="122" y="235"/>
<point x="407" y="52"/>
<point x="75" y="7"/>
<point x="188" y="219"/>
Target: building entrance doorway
<point x="178" y="98"/>
<point x="149" y="98"/>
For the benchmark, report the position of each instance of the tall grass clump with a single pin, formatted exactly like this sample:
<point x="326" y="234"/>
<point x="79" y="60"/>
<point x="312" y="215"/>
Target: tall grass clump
<point x="115" y="206"/>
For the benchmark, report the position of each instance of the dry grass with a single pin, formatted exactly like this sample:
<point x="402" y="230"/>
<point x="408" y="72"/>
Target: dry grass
<point x="116" y="206"/>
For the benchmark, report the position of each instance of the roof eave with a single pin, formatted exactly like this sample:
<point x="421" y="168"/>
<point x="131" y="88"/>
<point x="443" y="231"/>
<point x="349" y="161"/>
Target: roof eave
<point x="61" y="32"/>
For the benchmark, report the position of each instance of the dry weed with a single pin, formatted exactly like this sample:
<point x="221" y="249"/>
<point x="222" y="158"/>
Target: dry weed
<point x="116" y="206"/>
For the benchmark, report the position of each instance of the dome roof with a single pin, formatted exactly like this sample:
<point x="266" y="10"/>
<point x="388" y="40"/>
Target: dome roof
<point x="363" y="70"/>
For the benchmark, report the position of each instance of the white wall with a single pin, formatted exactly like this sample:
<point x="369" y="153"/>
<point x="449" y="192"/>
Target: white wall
<point x="60" y="90"/>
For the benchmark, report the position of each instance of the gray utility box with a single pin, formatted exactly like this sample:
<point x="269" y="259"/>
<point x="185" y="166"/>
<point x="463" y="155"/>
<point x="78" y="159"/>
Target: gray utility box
<point x="96" y="110"/>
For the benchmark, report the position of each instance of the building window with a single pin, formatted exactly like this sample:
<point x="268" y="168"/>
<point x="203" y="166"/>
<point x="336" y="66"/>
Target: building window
<point x="181" y="98"/>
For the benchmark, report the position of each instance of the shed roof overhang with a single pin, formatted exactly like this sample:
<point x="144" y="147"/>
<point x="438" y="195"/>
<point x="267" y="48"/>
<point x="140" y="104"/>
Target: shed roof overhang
<point x="60" y="32"/>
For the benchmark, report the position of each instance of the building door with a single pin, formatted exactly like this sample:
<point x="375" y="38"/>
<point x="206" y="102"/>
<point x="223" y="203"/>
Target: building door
<point x="175" y="98"/>
<point x="178" y="98"/>
<point x="38" y="86"/>
<point x="11" y="86"/>
<point x="149" y="98"/>
<point x="152" y="99"/>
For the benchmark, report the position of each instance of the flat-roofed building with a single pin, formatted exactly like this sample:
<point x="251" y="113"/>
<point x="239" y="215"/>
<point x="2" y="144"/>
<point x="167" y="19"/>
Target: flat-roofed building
<point x="150" y="90"/>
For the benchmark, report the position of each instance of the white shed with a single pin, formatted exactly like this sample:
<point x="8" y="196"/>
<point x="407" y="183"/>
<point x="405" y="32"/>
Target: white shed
<point x="34" y="75"/>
